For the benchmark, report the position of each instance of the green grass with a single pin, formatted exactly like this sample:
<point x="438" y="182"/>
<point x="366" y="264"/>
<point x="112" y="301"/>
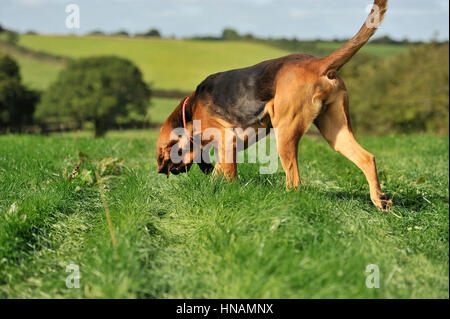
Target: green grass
<point x="190" y="237"/>
<point x="171" y="64"/>
<point x="379" y="50"/>
<point x="161" y="108"/>
<point x="168" y="64"/>
<point x="37" y="74"/>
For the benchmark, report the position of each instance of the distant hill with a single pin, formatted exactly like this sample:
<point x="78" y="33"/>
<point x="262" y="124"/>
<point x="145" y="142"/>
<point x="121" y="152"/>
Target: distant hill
<point x="167" y="64"/>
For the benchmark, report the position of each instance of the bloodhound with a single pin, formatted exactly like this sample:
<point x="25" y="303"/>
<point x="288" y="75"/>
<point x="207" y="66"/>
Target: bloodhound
<point x="287" y="94"/>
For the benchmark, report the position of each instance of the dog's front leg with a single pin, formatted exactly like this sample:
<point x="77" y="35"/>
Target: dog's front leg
<point x="226" y="165"/>
<point x="226" y="170"/>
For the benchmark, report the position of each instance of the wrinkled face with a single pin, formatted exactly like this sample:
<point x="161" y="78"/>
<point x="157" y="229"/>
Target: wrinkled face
<point x="174" y="153"/>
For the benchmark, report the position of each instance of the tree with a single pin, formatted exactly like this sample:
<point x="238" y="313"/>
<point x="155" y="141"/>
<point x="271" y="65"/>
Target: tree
<point x="17" y="103"/>
<point x="104" y="90"/>
<point x="122" y="33"/>
<point x="153" y="33"/>
<point x="248" y="36"/>
<point x="9" y="36"/>
<point x="384" y="40"/>
<point x="96" y="32"/>
<point x="9" y="69"/>
<point x="407" y="93"/>
<point x="230" y="34"/>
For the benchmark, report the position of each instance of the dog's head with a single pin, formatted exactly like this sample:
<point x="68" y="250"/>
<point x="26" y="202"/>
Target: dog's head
<point x="175" y="151"/>
<point x="172" y="153"/>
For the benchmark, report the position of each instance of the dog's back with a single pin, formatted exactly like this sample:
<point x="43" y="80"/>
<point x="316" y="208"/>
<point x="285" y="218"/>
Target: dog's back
<point x="240" y="96"/>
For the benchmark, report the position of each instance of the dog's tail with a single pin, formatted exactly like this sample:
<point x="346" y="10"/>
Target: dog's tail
<point x="340" y="57"/>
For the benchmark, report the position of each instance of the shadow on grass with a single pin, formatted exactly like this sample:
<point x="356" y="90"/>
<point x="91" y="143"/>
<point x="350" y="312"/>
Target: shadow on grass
<point x="416" y="202"/>
<point x="419" y="202"/>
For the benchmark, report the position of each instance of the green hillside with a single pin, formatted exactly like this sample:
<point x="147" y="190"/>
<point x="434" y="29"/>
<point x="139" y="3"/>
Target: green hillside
<point x="379" y="50"/>
<point x="168" y="64"/>
<point x="37" y="74"/>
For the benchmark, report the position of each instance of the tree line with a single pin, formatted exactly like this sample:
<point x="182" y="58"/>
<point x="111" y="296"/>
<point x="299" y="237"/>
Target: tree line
<point x="104" y="91"/>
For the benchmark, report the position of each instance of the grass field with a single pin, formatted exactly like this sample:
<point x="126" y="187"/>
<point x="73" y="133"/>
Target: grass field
<point x="161" y="108"/>
<point x="380" y="50"/>
<point x="190" y="237"/>
<point x="37" y="75"/>
<point x="167" y="64"/>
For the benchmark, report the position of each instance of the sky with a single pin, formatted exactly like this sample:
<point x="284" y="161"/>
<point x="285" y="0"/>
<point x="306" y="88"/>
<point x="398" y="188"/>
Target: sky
<point x="303" y="19"/>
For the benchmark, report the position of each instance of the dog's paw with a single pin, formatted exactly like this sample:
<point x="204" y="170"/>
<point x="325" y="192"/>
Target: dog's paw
<point x="382" y="202"/>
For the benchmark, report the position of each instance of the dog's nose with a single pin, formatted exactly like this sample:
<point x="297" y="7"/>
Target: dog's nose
<point x="174" y="171"/>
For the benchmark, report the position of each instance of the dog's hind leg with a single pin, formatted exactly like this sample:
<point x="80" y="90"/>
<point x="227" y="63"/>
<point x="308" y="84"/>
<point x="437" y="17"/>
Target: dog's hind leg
<point x="334" y="124"/>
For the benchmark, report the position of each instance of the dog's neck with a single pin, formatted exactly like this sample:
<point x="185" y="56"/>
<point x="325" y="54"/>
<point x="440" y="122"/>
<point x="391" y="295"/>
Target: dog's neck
<point x="175" y="120"/>
<point x="186" y="117"/>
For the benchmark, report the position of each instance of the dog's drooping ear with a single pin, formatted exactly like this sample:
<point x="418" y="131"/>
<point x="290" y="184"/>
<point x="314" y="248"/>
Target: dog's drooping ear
<point x="163" y="165"/>
<point x="204" y="161"/>
<point x="165" y="143"/>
